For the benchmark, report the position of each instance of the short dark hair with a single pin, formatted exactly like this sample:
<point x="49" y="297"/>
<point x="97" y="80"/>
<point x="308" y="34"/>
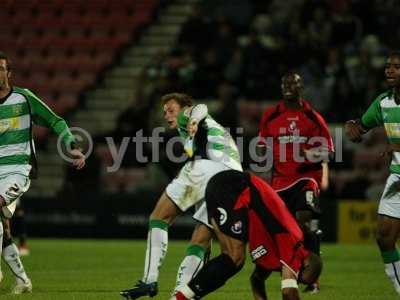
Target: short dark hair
<point x="395" y="53"/>
<point x="181" y="98"/>
<point x="8" y="61"/>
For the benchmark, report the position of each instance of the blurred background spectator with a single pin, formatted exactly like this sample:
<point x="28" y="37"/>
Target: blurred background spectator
<point x="104" y="65"/>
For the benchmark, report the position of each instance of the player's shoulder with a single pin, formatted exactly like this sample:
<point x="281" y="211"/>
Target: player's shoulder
<point x="383" y="96"/>
<point x="20" y="90"/>
<point x="270" y="112"/>
<point x="27" y="93"/>
<point x="313" y="113"/>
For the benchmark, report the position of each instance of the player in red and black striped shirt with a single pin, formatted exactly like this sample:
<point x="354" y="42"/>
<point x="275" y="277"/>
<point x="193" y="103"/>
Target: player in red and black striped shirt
<point x="244" y="208"/>
<point x="298" y="141"/>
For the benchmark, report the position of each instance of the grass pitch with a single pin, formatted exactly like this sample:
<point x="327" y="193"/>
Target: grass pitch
<point x="99" y="269"/>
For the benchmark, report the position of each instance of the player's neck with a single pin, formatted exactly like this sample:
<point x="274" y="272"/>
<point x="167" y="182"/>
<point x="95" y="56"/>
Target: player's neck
<point x="294" y="104"/>
<point x="4" y="92"/>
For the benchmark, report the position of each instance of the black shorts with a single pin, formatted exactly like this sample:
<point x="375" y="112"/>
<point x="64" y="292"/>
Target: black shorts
<point x="301" y="197"/>
<point x="222" y="193"/>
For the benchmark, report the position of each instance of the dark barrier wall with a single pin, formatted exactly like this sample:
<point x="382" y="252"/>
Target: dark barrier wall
<point x="119" y="216"/>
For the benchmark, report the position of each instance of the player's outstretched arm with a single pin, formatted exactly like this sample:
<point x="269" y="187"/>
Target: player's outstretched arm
<point x="257" y="281"/>
<point x="42" y="115"/>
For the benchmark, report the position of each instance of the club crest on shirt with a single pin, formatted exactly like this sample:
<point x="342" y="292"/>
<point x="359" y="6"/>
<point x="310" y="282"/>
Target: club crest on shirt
<point x="237" y="227"/>
<point x="292" y="127"/>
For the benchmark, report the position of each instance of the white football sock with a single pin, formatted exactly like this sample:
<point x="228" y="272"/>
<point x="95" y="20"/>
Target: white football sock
<point x="392" y="270"/>
<point x="12" y="259"/>
<point x="190" y="266"/>
<point x="157" y="245"/>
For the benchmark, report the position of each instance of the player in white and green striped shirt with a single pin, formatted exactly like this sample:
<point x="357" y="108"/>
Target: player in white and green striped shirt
<point x="19" y="109"/>
<point x="211" y="150"/>
<point x="385" y="111"/>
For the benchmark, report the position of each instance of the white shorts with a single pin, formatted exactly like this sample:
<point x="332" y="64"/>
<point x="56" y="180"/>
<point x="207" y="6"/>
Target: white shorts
<point x="389" y="204"/>
<point x="12" y="187"/>
<point x="188" y="189"/>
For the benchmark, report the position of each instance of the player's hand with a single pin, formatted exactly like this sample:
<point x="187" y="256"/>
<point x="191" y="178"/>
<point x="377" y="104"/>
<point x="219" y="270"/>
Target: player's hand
<point x="354" y="131"/>
<point x="192" y="127"/>
<point x="317" y="154"/>
<point x="78" y="159"/>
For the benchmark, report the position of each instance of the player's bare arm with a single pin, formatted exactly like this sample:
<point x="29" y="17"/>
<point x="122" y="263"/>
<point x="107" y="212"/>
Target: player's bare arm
<point x="290" y="289"/>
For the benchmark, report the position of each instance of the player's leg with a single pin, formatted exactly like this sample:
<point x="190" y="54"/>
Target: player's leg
<point x="219" y="269"/>
<point x="162" y="216"/>
<point x="12" y="258"/>
<point x="11" y="189"/>
<point x="19" y="229"/>
<point x="389" y="229"/>
<point x="311" y="241"/>
<point x="195" y="255"/>
<point x="387" y="234"/>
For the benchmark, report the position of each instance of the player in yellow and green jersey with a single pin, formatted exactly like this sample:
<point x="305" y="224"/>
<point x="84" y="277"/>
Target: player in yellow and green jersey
<point x="385" y="111"/>
<point x="19" y="110"/>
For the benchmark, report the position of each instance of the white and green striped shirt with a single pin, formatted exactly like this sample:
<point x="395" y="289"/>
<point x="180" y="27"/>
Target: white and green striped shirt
<point x="211" y="141"/>
<point x="15" y="129"/>
<point x="385" y="112"/>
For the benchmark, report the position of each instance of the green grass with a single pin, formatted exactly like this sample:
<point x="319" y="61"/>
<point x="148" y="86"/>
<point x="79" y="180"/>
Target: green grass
<point x="91" y="269"/>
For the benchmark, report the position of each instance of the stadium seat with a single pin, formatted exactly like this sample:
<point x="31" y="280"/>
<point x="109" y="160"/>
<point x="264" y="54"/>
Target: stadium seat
<point x="59" y="46"/>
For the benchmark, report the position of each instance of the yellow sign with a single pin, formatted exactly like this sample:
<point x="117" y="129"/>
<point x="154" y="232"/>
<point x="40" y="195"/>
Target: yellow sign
<point x="357" y="222"/>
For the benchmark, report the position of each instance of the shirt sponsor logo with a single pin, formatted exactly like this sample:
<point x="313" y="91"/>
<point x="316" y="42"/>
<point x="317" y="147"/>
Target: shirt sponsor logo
<point x="392" y="130"/>
<point x="6" y="124"/>
<point x="286" y="139"/>
<point x="258" y="252"/>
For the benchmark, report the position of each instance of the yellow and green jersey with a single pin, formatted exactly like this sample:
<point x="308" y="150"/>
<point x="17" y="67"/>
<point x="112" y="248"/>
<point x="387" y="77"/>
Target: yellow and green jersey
<point x="384" y="111"/>
<point x="18" y="110"/>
